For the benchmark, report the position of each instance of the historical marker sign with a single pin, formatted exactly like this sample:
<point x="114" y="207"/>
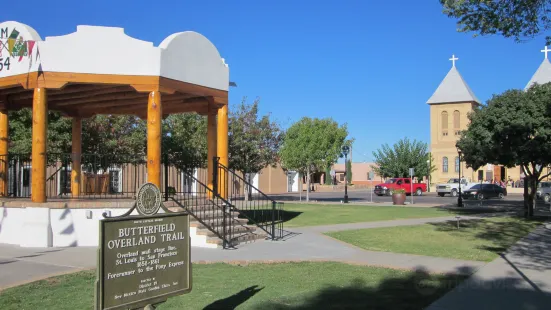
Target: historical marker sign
<point x="143" y="260"/>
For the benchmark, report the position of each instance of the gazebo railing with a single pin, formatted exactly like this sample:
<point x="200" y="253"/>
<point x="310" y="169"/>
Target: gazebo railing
<point x="103" y="176"/>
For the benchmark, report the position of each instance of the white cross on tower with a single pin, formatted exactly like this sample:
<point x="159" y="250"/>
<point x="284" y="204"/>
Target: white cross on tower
<point x="546" y="50"/>
<point x="453" y="59"/>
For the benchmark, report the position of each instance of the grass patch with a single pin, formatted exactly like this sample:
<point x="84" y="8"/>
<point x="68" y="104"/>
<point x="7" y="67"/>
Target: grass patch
<point x="316" y="214"/>
<point x="260" y="286"/>
<point x="480" y="240"/>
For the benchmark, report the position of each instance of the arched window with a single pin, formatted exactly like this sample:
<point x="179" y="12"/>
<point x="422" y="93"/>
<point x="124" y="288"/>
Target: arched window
<point x="444" y="123"/>
<point x="456" y="123"/>
<point x="456" y="163"/>
<point x="445" y="164"/>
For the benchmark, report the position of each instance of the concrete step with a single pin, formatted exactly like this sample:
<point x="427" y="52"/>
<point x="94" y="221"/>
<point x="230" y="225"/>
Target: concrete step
<point x="241" y="239"/>
<point x="234" y="231"/>
<point x="231" y="221"/>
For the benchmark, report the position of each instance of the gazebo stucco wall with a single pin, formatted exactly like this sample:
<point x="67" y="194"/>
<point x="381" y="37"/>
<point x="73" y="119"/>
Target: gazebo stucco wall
<point x="101" y="70"/>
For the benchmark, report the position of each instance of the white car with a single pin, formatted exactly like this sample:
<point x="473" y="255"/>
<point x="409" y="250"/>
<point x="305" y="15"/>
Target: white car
<point x="452" y="187"/>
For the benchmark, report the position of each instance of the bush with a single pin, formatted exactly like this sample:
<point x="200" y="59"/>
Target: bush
<point x="171" y="191"/>
<point x="399" y="191"/>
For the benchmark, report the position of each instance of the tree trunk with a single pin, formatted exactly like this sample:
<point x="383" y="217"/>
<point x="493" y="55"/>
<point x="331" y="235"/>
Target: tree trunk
<point x="300" y="186"/>
<point x="526" y="198"/>
<point x="248" y="188"/>
<point x="308" y="184"/>
<point x="532" y="195"/>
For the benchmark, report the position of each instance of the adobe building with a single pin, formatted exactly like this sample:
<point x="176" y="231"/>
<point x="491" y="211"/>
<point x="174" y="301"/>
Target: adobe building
<point x="362" y="174"/>
<point x="450" y="105"/>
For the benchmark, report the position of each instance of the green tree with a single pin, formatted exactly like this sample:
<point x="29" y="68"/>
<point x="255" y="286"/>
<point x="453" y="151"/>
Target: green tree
<point x="112" y="139"/>
<point x="20" y="132"/>
<point x="185" y="140"/>
<point x="517" y="19"/>
<point x="311" y="144"/>
<point x="395" y="161"/>
<point x="513" y="129"/>
<point x="349" y="171"/>
<point x="253" y="141"/>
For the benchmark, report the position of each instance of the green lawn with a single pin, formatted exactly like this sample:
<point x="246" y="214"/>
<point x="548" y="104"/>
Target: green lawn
<point x="259" y="286"/>
<point x="480" y="240"/>
<point x="317" y="214"/>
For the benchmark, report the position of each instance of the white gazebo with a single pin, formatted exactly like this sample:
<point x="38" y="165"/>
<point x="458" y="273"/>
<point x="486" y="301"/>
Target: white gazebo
<point x="101" y="70"/>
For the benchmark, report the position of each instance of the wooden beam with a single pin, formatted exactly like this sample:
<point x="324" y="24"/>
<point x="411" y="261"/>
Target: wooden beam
<point x="189" y="88"/>
<point x="222" y="149"/>
<point x="126" y="109"/>
<point x="76" y="148"/>
<point x="4" y="152"/>
<point x="80" y="92"/>
<point x="15" y="90"/>
<point x="128" y="105"/>
<point x="99" y="98"/>
<point x="109" y="98"/>
<point x="154" y="125"/>
<point x="39" y="136"/>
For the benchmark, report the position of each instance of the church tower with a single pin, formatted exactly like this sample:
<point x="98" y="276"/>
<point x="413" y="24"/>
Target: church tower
<point x="449" y="106"/>
<point x="543" y="74"/>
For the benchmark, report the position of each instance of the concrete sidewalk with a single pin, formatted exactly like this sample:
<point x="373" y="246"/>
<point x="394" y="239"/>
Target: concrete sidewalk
<point x="520" y="279"/>
<point x="22" y="265"/>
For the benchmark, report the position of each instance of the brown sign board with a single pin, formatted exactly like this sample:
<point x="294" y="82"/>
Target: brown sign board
<point x="143" y="260"/>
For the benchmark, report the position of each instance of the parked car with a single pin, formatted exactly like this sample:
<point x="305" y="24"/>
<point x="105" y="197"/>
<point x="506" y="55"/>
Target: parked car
<point x="541" y="186"/>
<point x="485" y="191"/>
<point x="402" y="183"/>
<point x="452" y="187"/>
<point x="545" y="194"/>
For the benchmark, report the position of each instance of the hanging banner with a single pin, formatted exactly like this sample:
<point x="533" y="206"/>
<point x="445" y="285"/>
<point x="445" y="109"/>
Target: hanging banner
<point x="17" y="46"/>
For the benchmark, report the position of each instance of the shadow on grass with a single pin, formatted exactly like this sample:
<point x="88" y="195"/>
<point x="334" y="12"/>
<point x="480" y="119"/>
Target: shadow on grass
<point x="234" y="300"/>
<point x="416" y="291"/>
<point x="265" y="215"/>
<point x="504" y="235"/>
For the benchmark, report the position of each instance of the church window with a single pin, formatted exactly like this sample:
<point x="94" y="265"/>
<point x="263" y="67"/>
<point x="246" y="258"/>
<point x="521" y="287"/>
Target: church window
<point x="444" y="123"/>
<point x="456" y="116"/>
<point x="445" y="164"/>
<point x="457" y="164"/>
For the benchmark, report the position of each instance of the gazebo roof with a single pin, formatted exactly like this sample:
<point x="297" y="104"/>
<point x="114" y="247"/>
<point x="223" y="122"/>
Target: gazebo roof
<point x="101" y="70"/>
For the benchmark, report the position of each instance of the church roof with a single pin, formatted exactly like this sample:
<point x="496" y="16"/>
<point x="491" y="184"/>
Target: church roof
<point x="542" y="75"/>
<point x="453" y="88"/>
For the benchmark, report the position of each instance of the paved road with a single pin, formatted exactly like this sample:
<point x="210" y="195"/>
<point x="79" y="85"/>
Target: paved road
<point x="359" y="196"/>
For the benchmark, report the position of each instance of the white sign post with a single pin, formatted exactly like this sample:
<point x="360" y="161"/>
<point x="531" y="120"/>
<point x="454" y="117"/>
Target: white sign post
<point x="411" y="173"/>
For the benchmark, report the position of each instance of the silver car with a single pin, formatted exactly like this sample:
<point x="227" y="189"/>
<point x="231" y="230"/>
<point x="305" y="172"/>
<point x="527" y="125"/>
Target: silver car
<point x="545" y="193"/>
<point x="541" y="186"/>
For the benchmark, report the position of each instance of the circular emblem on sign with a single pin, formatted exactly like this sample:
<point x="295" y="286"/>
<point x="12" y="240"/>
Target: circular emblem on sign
<point x="148" y="199"/>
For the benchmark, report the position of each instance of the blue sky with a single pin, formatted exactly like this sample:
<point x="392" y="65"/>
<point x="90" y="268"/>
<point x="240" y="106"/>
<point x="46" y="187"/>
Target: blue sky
<point x="370" y="64"/>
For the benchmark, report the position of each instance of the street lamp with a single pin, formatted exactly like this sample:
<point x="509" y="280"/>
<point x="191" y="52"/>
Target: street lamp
<point x="345" y="150"/>
<point x="428" y="175"/>
<point x="459" y="199"/>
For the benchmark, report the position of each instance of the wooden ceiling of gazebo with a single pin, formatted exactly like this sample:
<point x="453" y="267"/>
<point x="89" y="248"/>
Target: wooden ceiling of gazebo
<point x="86" y="100"/>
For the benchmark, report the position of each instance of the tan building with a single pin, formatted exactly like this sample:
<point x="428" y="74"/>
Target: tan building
<point x="449" y="107"/>
<point x="362" y="173"/>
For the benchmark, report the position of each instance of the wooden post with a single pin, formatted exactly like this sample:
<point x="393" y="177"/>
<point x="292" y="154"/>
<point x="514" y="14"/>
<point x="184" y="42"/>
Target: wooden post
<point x="76" y="154"/>
<point x="222" y="149"/>
<point x="211" y="145"/>
<point x="4" y="153"/>
<point x="154" y="120"/>
<point x="40" y="133"/>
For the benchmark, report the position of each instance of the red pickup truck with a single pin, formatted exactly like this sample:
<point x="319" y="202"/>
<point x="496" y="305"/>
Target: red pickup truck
<point x="402" y="183"/>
